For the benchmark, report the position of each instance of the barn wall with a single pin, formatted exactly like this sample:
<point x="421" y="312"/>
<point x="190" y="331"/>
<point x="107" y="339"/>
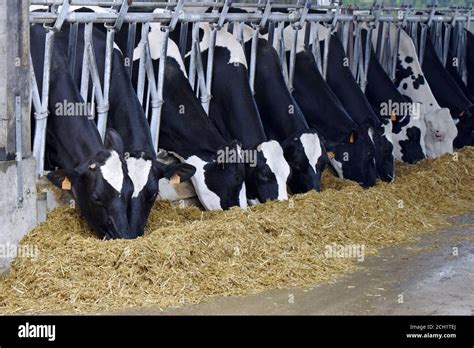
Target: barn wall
<point x="17" y="173"/>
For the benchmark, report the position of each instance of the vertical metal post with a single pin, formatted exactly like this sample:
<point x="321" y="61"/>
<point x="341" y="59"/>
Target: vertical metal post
<point x="141" y="64"/>
<point x="132" y="29"/>
<point x="19" y="150"/>
<point x="71" y="53"/>
<point x="183" y="38"/>
<point x="253" y="58"/>
<point x="156" y="116"/>
<point x="41" y="115"/>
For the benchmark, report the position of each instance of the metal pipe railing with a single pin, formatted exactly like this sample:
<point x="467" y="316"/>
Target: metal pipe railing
<point x="453" y="19"/>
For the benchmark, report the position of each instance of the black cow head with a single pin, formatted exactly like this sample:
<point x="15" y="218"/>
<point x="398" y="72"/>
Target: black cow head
<point x="354" y="158"/>
<point x="307" y="158"/>
<point x="266" y="178"/>
<point x="465" y="126"/>
<point x="219" y="184"/>
<point x="145" y="173"/>
<point x="381" y="135"/>
<point x="102" y="188"/>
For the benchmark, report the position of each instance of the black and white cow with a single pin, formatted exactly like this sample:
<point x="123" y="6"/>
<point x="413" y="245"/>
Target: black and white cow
<point x="283" y="120"/>
<point x="410" y="81"/>
<point x="352" y="152"/>
<point x="95" y="172"/>
<point x="126" y="115"/>
<point x="235" y="114"/>
<point x="448" y="94"/>
<point x="187" y="132"/>
<point x="408" y="130"/>
<point x="341" y="81"/>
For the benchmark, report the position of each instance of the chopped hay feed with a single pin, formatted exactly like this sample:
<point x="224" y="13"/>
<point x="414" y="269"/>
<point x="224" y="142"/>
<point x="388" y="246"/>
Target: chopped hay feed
<point x="188" y="255"/>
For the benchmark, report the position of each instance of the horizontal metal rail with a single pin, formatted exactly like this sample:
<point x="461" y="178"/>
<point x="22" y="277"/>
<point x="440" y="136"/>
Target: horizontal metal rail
<point x="163" y="4"/>
<point x="110" y="18"/>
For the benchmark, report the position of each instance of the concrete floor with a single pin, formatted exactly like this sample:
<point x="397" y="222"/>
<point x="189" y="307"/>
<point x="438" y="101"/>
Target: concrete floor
<point x="423" y="277"/>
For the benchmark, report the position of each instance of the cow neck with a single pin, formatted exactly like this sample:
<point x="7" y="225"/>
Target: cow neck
<point x="380" y="89"/>
<point x="126" y="114"/>
<point x="191" y="132"/>
<point x="321" y="108"/>
<point x="279" y="112"/>
<point x="342" y="82"/>
<point x="233" y="109"/>
<point x="444" y="87"/>
<point x="73" y="137"/>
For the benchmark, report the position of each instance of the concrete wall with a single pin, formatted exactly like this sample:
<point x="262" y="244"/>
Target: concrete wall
<point x="15" y="219"/>
<point x="17" y="202"/>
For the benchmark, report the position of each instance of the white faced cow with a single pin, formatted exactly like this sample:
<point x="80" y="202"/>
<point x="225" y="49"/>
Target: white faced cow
<point x="410" y="81"/>
<point x="96" y="173"/>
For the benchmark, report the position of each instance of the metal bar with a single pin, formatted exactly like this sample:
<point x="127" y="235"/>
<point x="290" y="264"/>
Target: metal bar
<point x="210" y="66"/>
<point x="327" y="41"/>
<point x="141" y="63"/>
<point x="110" y="17"/>
<point x="102" y="105"/>
<point x="159" y="4"/>
<point x="378" y="46"/>
<point x="357" y="50"/>
<point x="271" y="32"/>
<point x="282" y="51"/>
<point x="183" y="38"/>
<point x="109" y="51"/>
<point x="368" y="51"/>
<point x="156" y="116"/>
<point x="447" y="37"/>
<point x="421" y="53"/>
<point x="42" y="114"/>
<point x="72" y="47"/>
<point x="395" y="52"/>
<point x="291" y="69"/>
<point x="132" y="29"/>
<point x="192" y="62"/>
<point x="316" y="47"/>
<point x="19" y="151"/>
<point x="85" y="68"/>
<point x="253" y="58"/>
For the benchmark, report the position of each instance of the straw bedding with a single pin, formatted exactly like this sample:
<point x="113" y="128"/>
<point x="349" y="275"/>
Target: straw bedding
<point x="188" y="255"/>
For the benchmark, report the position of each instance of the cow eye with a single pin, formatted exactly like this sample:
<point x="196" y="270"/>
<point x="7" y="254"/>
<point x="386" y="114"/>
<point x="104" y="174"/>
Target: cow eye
<point x="97" y="200"/>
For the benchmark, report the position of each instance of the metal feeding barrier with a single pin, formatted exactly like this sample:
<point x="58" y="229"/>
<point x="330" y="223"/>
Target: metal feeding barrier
<point x="446" y="25"/>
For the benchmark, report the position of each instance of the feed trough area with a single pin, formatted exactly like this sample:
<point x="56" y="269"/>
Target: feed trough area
<point x="188" y="255"/>
<point x="167" y="155"/>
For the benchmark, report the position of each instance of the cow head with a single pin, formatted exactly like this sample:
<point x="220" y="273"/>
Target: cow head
<point x="381" y="135"/>
<point x="219" y="185"/>
<point x="266" y="178"/>
<point x="307" y="158"/>
<point x="102" y="189"/>
<point x="354" y="158"/>
<point x="440" y="132"/>
<point x="465" y="126"/>
<point x="145" y="173"/>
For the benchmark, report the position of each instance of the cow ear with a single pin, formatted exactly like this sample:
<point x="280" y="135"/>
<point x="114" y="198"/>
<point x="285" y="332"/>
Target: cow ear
<point x="176" y="172"/>
<point x="352" y="137"/>
<point x="63" y="178"/>
<point x="113" y="141"/>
